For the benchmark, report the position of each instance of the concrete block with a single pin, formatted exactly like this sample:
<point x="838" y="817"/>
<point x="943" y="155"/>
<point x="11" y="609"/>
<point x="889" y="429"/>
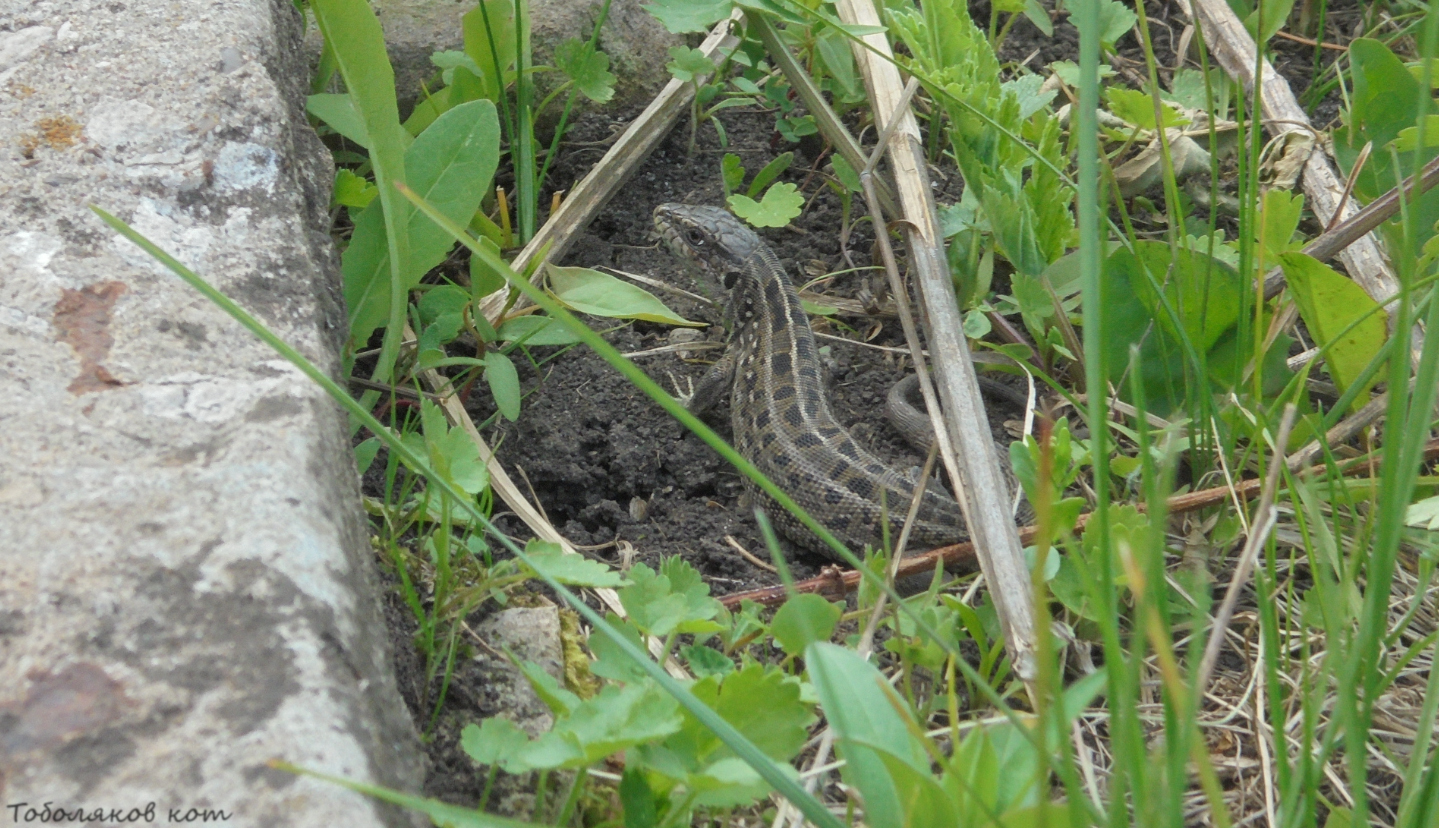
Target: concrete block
<point x="186" y="587"/>
<point x="636" y="42"/>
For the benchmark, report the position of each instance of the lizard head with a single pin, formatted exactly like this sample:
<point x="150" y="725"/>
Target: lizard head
<point x="708" y="236"/>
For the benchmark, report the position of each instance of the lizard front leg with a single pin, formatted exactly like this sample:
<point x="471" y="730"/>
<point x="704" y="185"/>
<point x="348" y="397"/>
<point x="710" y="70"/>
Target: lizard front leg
<point x="713" y="386"/>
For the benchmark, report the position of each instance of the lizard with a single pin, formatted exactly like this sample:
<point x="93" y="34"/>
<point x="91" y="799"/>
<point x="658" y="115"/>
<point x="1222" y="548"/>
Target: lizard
<point x="780" y="416"/>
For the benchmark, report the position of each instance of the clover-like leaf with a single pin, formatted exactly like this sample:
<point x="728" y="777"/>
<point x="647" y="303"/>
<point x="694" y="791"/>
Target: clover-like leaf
<point x="588" y="68"/>
<point x="452" y="454"/>
<point x="688" y="64"/>
<point x="675" y="599"/>
<point x="572" y="569"/>
<point x="494" y="741"/>
<point x="781" y="203"/>
<point x="352" y="190"/>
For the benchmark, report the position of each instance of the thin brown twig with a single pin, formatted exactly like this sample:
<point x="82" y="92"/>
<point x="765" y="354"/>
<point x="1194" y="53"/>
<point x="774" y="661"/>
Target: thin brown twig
<point x="1334" y="47"/>
<point x="748" y="555"/>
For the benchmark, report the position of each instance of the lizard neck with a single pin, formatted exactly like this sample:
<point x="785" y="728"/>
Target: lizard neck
<point x="778" y="367"/>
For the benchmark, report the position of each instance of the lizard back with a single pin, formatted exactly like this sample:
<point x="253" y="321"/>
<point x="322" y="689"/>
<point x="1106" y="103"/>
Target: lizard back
<point x="781" y="418"/>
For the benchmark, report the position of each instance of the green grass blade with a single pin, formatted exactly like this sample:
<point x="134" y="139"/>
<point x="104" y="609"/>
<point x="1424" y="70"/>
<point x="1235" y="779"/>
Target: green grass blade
<point x="732" y="738"/>
<point x="713" y="440"/>
<point x="359" y="51"/>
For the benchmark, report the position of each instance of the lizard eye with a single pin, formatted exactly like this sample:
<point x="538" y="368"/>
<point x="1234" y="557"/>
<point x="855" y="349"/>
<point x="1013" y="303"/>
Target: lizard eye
<point x="695" y="237"/>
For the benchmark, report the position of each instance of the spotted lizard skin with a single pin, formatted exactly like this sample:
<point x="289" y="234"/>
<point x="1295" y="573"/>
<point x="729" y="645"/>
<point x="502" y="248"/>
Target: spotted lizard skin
<point x="781" y="419"/>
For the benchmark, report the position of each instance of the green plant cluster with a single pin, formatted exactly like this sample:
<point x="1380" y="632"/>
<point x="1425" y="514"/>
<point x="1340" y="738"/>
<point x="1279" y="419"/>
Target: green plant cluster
<point x="1134" y="230"/>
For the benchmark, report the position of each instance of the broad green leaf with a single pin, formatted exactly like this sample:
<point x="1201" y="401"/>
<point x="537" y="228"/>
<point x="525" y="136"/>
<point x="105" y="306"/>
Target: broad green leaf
<point x="358" y="44"/>
<point x="780" y="204"/>
<point x="338" y="112"/>
<point x="556" y="696"/>
<point x="1280" y="212"/>
<point x="681" y="16"/>
<point x="1384" y="95"/>
<point x="1039" y="16"/>
<point x="426" y="111"/>
<point x="1423" y="514"/>
<point x="452" y="453"/>
<point x="924" y="800"/>
<point x="1069" y="587"/>
<point x="1274" y="13"/>
<point x="1202" y="292"/>
<point x="450" y="60"/>
<point x="1330" y="303"/>
<point x="615" y="719"/>
<point x="803" y="620"/>
<point x="353" y="191"/>
<point x="762" y="703"/>
<point x="496" y="740"/>
<point x="1137" y="108"/>
<point x="610" y="661"/>
<point x="994" y="768"/>
<point x="571" y="569"/>
<point x="600" y="294"/>
<point x="637" y="799"/>
<point x="450" y="165"/>
<point x="816" y="309"/>
<point x="1189" y="89"/>
<point x="434" y="337"/>
<point x="1013" y="220"/>
<point x="1068" y="72"/>
<point x="365" y="453"/>
<point x="1084" y="690"/>
<point x="769" y="173"/>
<point x="504" y="384"/>
<point x="707" y="661"/>
<point x="832" y="48"/>
<point x="441" y="301"/>
<point x="1385" y="102"/>
<point x="466" y="85"/>
<point x="687" y="64"/>
<point x="589" y="69"/>
<point x="485" y="280"/>
<point x="731" y="172"/>
<point x="1408" y="139"/>
<point x="726" y="784"/>
<point x="766" y="706"/>
<point x="675" y="599"/>
<point x="1028" y="90"/>
<point x="535" y="330"/>
<point x="792" y="128"/>
<point x="687" y="581"/>
<point x="976" y="324"/>
<point x="846" y="174"/>
<point x="1115" y="20"/>
<point x="856" y="702"/>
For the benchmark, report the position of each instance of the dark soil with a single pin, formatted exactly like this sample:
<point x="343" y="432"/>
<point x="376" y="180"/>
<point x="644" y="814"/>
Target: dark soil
<point x="615" y="473"/>
<point x="608" y="464"/>
<point x="610" y="468"/>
